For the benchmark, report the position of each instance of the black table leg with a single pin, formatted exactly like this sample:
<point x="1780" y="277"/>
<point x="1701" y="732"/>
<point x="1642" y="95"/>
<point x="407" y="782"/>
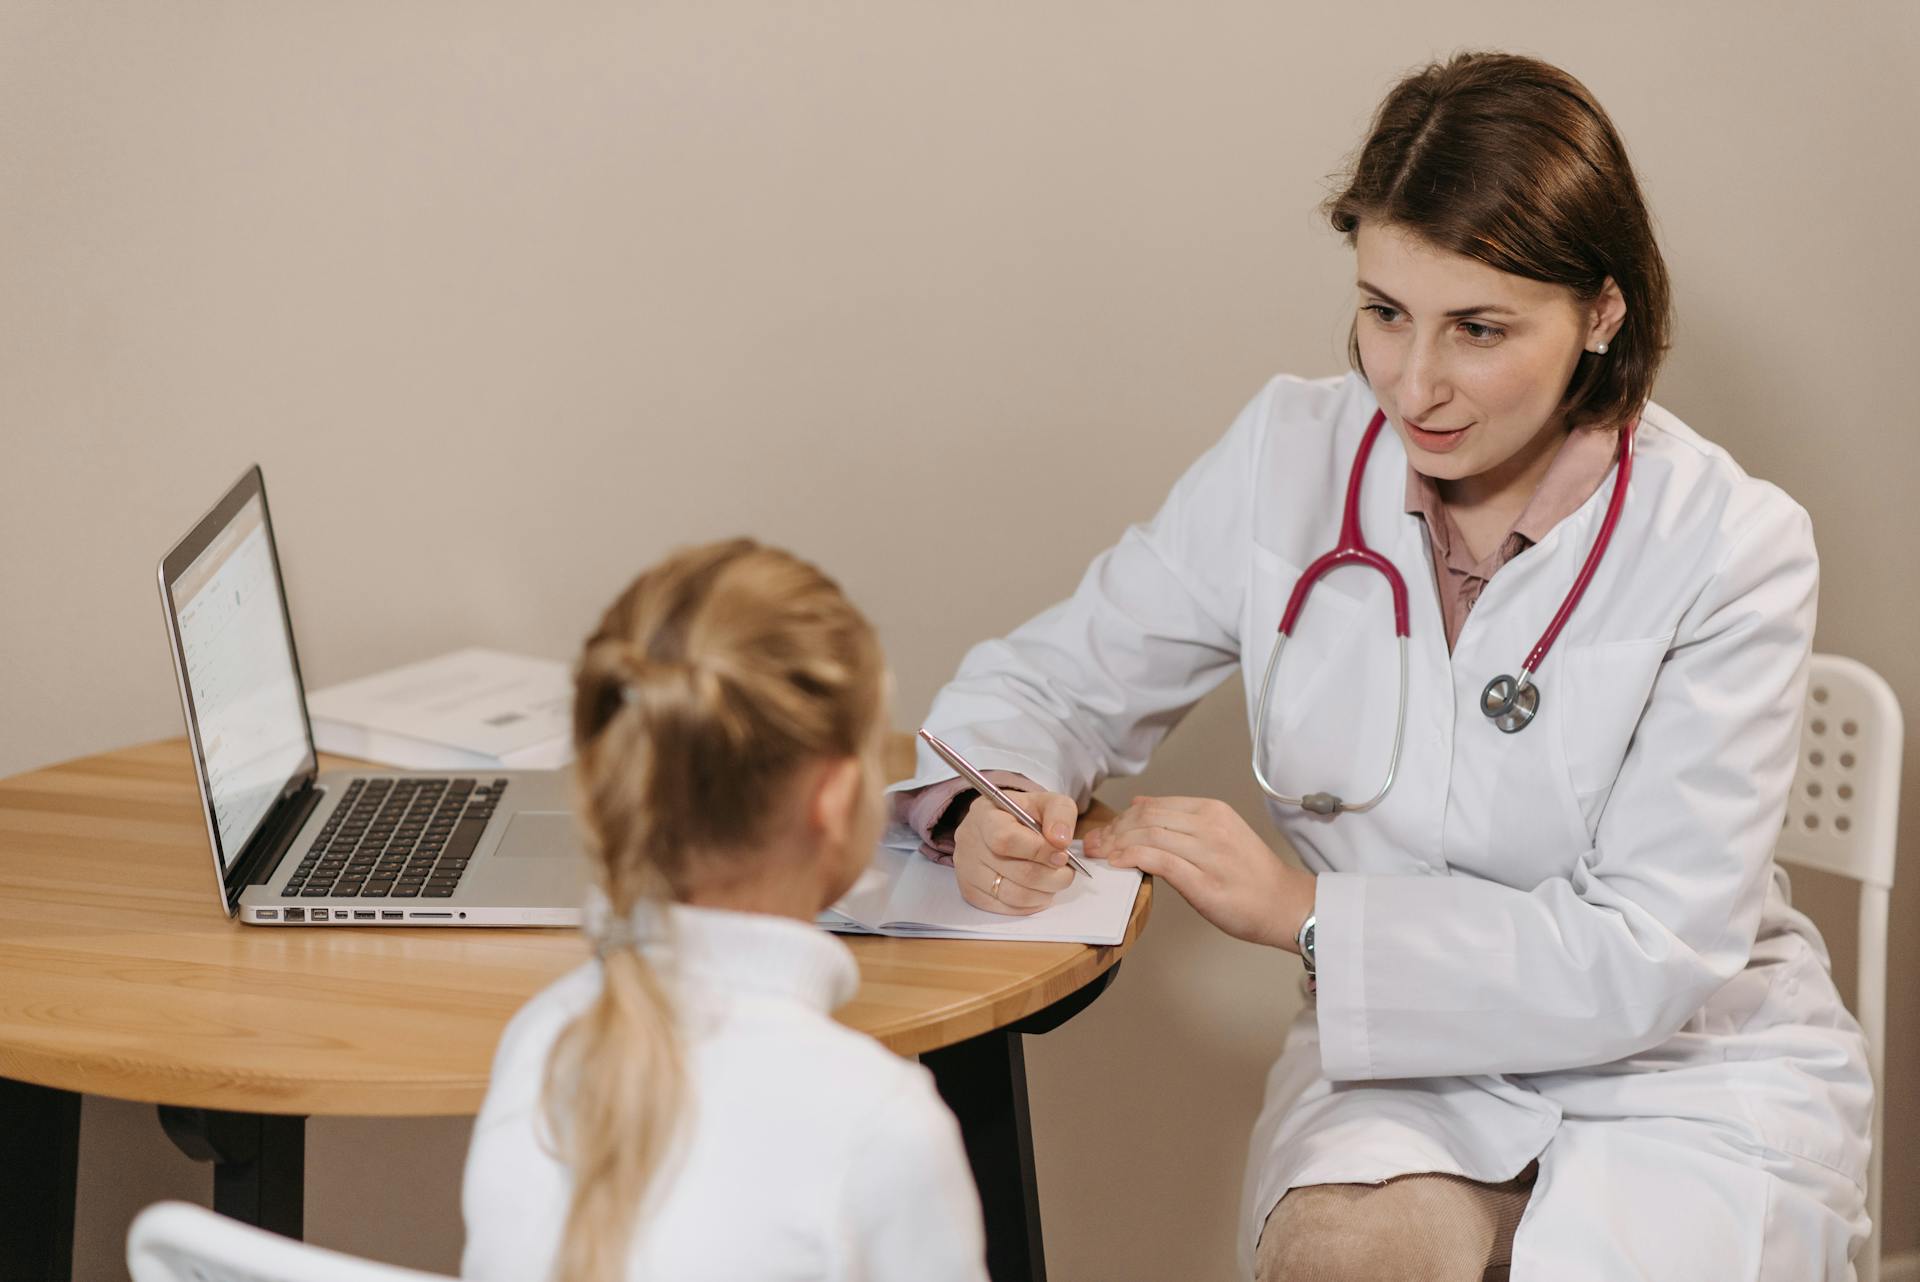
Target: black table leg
<point x="39" y="1162"/>
<point x="984" y="1081"/>
<point x="259" y="1162"/>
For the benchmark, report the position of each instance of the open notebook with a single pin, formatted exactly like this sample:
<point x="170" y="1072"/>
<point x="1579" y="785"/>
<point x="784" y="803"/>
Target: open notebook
<point x="907" y="894"/>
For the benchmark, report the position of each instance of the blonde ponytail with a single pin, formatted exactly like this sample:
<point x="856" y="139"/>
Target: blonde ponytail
<point x="711" y="679"/>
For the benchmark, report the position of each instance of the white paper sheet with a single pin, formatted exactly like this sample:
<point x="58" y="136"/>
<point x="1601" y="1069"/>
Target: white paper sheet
<point x="906" y="894"/>
<point x="454" y="711"/>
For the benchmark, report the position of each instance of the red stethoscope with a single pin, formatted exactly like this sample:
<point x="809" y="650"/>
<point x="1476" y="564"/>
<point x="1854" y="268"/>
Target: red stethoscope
<point x="1509" y="702"/>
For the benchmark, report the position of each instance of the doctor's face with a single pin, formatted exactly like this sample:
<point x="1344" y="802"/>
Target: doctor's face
<point x="1469" y="363"/>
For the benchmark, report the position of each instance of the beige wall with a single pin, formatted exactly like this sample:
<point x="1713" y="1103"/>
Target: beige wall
<point x="508" y="299"/>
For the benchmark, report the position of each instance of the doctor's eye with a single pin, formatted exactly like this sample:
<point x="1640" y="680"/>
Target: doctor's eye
<point x="1381" y="312"/>
<point x="1485" y="334"/>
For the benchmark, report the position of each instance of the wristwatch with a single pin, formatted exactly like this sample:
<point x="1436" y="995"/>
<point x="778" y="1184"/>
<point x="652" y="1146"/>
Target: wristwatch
<point x="1305" y="940"/>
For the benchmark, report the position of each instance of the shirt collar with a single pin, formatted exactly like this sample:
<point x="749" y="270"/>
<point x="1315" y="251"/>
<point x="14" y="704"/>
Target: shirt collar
<point x="741" y="952"/>
<point x="1575" y="473"/>
<point x="1577" y="469"/>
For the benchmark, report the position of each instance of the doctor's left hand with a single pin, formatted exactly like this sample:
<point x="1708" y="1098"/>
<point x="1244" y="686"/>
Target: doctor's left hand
<point x="1206" y="851"/>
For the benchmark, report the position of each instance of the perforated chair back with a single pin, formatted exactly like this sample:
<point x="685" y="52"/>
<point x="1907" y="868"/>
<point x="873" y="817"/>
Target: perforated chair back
<point x="1841" y="818"/>
<point x="178" y="1242"/>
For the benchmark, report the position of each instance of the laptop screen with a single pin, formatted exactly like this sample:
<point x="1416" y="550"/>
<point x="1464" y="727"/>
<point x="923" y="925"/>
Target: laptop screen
<point x="238" y="666"/>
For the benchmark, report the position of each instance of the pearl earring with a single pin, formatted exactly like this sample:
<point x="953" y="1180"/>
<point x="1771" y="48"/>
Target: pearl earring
<point x="1600" y="349"/>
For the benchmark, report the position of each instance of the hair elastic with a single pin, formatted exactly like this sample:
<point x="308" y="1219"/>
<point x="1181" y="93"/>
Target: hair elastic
<point x="611" y="932"/>
<point x="615" y="934"/>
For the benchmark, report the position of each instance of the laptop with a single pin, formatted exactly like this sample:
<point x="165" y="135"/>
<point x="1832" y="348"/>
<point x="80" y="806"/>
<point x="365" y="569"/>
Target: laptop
<point x="293" y="847"/>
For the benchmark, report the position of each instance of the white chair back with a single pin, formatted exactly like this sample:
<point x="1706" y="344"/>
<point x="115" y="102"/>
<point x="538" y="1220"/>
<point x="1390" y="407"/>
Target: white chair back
<point x="178" y="1242"/>
<point x="1842" y="818"/>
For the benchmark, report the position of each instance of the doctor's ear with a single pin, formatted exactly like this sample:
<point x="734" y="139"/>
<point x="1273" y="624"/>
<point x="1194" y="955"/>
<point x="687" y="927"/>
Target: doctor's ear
<point x="1605" y="314"/>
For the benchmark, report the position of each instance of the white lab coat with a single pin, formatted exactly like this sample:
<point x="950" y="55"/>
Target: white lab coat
<point x="1569" y="944"/>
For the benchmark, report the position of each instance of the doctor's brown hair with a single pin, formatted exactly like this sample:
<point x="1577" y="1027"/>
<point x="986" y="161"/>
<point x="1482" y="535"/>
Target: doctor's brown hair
<point x="1510" y="161"/>
<point x="709" y="682"/>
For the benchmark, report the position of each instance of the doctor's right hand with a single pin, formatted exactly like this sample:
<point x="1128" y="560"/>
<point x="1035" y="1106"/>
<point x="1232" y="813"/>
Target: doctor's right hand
<point x="1004" y="867"/>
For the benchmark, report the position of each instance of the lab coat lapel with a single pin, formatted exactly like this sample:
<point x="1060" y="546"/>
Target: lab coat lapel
<point x="1512" y="816"/>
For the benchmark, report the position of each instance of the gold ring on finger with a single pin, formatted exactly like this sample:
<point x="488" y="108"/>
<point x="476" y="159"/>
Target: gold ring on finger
<point x="997" y="879"/>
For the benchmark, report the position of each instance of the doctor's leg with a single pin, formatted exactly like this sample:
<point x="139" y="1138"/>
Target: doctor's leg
<point x="1417" y="1228"/>
<point x="1670" y="1200"/>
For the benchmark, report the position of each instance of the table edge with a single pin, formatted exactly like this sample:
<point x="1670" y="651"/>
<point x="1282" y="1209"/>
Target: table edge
<point x="413" y="1096"/>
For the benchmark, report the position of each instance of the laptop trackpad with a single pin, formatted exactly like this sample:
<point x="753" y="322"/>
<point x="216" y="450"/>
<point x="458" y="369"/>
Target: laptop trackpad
<point x="540" y="834"/>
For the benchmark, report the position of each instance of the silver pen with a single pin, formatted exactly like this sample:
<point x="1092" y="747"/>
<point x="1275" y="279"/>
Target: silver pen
<point x="987" y="790"/>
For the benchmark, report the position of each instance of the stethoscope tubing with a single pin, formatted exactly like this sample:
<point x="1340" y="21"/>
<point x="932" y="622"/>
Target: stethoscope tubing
<point x="1325" y="803"/>
<point x="1352" y="549"/>
<point x="1615" y="501"/>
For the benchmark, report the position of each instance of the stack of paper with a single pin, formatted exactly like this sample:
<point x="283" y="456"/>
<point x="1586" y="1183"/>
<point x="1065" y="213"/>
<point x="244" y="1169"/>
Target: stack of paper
<point x="469" y="710"/>
<point x="906" y="894"/>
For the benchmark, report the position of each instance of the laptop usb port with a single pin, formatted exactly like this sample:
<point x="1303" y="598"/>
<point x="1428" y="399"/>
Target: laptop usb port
<point x="363" y="914"/>
<point x="296" y="914"/>
<point x="267" y="914"/>
<point x="392" y="914"/>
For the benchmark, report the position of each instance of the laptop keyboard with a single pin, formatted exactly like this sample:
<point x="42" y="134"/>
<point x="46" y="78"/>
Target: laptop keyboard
<point x="397" y="839"/>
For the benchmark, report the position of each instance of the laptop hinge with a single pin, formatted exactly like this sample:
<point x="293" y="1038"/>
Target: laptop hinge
<point x="263" y="853"/>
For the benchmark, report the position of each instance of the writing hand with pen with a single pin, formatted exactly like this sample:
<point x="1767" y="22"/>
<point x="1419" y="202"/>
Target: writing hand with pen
<point x="1005" y="867"/>
<point x="1010" y="856"/>
<point x="1010" y="851"/>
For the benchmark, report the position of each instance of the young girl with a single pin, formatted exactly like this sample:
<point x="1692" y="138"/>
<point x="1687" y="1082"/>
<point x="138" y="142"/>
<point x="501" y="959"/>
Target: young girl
<point x="684" y="1106"/>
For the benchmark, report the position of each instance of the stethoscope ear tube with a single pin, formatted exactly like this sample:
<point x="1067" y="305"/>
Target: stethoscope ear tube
<point x="1324" y="803"/>
<point x="1352" y="549"/>
<point x="1615" y="501"/>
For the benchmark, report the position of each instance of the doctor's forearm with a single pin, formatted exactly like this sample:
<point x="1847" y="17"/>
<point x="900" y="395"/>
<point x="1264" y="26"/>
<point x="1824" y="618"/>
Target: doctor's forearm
<point x="1294" y="908"/>
<point x="1429" y="977"/>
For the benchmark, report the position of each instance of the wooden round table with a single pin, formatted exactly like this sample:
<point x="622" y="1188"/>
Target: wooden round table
<point x="121" y="976"/>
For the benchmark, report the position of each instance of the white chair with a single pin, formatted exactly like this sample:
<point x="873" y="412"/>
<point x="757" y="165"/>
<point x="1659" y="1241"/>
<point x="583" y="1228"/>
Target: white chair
<point x="179" y="1242"/>
<point x="1841" y="818"/>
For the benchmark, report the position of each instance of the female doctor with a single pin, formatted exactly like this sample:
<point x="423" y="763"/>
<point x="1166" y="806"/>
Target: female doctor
<point x="1567" y="1022"/>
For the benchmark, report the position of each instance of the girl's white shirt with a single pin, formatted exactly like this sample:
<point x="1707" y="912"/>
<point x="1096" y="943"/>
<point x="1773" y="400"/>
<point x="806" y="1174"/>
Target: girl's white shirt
<point x="808" y="1151"/>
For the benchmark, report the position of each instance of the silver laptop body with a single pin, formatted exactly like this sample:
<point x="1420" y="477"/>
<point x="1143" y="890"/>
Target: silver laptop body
<point x="292" y="846"/>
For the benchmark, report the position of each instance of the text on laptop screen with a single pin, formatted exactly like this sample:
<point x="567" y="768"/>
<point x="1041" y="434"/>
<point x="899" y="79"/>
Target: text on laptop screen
<point x="240" y="676"/>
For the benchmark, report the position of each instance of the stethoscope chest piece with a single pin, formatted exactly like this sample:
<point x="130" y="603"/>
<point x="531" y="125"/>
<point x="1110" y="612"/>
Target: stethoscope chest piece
<point x="1510" y="704"/>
